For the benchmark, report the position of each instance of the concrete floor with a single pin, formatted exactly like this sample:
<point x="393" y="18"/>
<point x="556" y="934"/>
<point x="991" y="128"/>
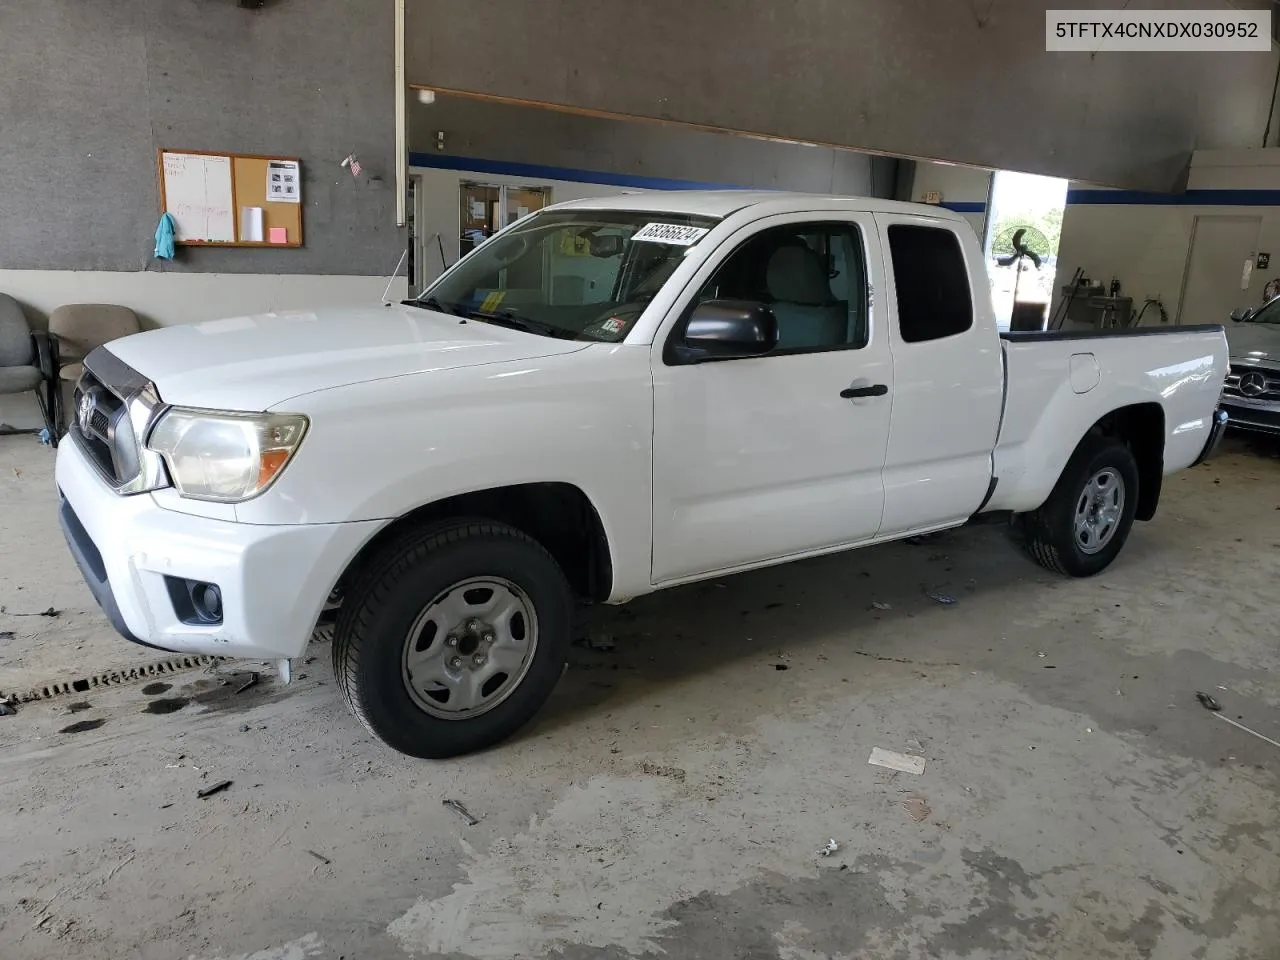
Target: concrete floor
<point x="673" y="797"/>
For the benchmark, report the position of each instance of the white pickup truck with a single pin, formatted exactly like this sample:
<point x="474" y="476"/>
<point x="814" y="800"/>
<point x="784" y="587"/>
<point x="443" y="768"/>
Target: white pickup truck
<point x="609" y="397"/>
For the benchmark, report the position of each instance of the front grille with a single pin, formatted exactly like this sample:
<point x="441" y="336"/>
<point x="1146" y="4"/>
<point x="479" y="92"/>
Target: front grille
<point x="1252" y="382"/>
<point x="111" y="400"/>
<point x="97" y="412"/>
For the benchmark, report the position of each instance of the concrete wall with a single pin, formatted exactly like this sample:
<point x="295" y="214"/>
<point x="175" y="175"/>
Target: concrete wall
<point x="642" y="154"/>
<point x="1144" y="239"/>
<point x="581" y="156"/>
<point x="90" y="91"/>
<point x="967" y="190"/>
<point x="940" y="79"/>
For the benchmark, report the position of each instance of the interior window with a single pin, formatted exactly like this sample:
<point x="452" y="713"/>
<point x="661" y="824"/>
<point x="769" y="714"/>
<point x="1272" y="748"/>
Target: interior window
<point x="813" y="276"/>
<point x="934" y="299"/>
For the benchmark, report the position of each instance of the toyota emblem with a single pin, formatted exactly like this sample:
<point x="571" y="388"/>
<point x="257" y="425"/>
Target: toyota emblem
<point x="1253" y="384"/>
<point x="84" y="412"/>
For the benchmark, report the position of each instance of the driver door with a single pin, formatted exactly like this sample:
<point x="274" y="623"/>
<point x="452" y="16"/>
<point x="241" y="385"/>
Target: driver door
<point x="761" y="459"/>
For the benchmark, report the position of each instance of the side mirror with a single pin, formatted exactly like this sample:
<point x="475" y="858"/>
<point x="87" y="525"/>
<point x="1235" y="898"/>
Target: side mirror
<point x="1241" y="313"/>
<point x="727" y="330"/>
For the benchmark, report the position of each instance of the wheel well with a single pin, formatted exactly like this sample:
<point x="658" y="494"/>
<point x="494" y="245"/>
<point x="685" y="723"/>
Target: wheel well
<point x="558" y="515"/>
<point x="1141" y="426"/>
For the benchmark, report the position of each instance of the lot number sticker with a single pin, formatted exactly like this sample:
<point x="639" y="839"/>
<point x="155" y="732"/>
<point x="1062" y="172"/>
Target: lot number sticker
<point x="675" y="234"/>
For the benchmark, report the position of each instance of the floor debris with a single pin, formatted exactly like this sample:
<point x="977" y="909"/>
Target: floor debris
<point x="461" y="811"/>
<point x="830" y="848"/>
<point x="6" y="634"/>
<point x="896" y="761"/>
<point x="325" y="860"/>
<point x="598" y="640"/>
<point x="210" y="790"/>
<point x="251" y="682"/>
<point x="7" y="709"/>
<point x="880" y="605"/>
<point x="1211" y="704"/>
<point x="942" y="598"/>
<point x="917" y="808"/>
<point x="658" y="770"/>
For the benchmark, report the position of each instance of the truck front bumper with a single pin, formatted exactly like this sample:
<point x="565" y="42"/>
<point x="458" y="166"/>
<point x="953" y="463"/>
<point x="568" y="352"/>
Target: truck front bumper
<point x="136" y="556"/>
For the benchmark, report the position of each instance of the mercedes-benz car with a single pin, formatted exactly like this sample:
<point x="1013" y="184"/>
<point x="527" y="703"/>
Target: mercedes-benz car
<point x="1251" y="396"/>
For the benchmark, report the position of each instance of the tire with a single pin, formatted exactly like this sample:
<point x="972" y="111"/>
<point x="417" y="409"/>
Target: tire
<point x="386" y="656"/>
<point x="1051" y="533"/>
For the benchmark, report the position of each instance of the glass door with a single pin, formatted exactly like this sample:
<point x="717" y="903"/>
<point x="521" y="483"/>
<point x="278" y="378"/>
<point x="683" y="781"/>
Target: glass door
<point x="480" y="215"/>
<point x="519" y="202"/>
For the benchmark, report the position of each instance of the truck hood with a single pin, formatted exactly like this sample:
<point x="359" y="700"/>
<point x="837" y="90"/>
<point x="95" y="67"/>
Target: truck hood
<point x="257" y="362"/>
<point x="1254" y="341"/>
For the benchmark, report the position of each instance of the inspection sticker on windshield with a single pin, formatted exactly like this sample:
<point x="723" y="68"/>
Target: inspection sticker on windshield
<point x="676" y="234"/>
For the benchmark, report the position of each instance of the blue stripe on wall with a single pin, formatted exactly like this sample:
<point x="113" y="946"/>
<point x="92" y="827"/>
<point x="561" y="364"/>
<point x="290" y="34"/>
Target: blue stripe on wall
<point x="440" y="161"/>
<point x="537" y="171"/>
<point x="1191" y="198"/>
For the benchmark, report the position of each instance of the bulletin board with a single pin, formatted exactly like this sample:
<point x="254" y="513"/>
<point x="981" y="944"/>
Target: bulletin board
<point x="231" y="199"/>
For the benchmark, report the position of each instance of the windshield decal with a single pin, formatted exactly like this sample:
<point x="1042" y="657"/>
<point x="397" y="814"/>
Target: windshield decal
<point x="676" y="234"/>
<point x="491" y="302"/>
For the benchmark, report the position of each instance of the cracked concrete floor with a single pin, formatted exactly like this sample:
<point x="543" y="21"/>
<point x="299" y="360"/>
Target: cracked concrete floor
<point x="671" y="800"/>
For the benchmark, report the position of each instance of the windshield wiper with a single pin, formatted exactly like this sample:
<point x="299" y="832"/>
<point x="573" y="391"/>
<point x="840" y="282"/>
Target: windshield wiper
<point x="433" y="303"/>
<point x="509" y="318"/>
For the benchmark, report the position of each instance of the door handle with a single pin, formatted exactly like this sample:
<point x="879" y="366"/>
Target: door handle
<point x="875" y="390"/>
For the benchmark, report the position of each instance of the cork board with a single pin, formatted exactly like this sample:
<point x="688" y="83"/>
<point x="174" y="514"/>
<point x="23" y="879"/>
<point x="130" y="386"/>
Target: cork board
<point x="221" y="199"/>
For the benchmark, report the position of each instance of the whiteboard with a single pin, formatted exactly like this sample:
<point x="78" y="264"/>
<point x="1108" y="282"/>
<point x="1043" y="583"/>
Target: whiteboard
<point x="198" y="194"/>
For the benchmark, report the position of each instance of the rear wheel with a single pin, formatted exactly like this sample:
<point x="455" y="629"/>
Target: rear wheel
<point x="453" y="638"/>
<point x="1083" y="525"/>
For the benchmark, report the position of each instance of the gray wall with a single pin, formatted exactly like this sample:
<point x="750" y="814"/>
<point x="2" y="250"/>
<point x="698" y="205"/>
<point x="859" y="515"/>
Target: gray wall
<point x="90" y="90"/>
<point x="961" y="80"/>
<point x="503" y="132"/>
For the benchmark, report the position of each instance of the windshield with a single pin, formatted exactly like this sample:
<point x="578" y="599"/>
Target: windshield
<point x="579" y="274"/>
<point x="1270" y="313"/>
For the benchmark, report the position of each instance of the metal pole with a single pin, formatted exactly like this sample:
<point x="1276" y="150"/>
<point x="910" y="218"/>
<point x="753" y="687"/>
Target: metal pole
<point x="402" y="146"/>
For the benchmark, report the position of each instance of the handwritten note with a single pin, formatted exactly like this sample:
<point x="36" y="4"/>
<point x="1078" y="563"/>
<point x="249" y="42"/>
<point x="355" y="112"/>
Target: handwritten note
<point x="197" y="192"/>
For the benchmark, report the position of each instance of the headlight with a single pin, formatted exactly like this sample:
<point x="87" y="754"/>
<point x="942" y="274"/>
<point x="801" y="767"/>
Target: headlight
<point x="224" y="456"/>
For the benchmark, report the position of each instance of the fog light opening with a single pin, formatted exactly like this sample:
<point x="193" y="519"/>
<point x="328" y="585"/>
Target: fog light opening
<point x="206" y="600"/>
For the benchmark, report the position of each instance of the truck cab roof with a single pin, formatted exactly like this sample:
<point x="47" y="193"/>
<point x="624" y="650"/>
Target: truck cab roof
<point x="723" y="203"/>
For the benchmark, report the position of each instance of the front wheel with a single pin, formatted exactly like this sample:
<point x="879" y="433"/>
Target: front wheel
<point x="453" y="638"/>
<point x="1083" y="525"/>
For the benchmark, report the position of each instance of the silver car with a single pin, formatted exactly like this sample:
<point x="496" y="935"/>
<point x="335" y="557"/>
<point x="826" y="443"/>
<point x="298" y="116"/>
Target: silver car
<point x="1251" y="396"/>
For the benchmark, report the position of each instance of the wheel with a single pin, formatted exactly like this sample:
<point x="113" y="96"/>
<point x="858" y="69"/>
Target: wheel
<point x="453" y="638"/>
<point x="1083" y="525"/>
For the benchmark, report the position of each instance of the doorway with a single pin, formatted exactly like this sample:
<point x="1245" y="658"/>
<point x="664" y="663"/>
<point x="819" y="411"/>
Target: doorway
<point x="485" y="208"/>
<point x="1034" y="205"/>
<point x="1219" y="268"/>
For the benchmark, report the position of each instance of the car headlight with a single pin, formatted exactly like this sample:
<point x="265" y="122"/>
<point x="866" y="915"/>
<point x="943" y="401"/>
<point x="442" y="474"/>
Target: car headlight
<point x="222" y="455"/>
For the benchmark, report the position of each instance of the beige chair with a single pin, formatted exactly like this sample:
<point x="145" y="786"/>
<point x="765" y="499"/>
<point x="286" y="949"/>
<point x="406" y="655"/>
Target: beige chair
<point x="82" y="327"/>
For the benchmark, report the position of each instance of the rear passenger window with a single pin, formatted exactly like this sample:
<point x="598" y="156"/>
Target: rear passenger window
<point x="934" y="299"/>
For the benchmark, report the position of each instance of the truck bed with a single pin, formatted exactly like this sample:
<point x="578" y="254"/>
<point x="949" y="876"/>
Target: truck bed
<point x="1059" y="383"/>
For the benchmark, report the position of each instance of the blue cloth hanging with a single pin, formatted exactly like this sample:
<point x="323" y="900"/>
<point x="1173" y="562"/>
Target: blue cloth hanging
<point x="164" y="237"/>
